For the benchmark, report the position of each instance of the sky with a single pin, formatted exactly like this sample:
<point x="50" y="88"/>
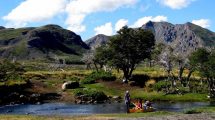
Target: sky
<point x="88" y="18"/>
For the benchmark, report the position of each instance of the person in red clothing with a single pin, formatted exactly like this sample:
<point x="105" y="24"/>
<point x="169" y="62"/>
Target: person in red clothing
<point x="139" y="104"/>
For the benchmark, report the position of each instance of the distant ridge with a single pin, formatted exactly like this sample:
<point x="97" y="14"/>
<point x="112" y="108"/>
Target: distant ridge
<point x="97" y="41"/>
<point x="182" y="37"/>
<point x="46" y="42"/>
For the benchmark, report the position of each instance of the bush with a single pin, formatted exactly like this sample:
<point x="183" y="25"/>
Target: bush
<point x="192" y="111"/>
<point x="140" y="80"/>
<point x="88" y="80"/>
<point x="95" y="95"/>
<point x="10" y="71"/>
<point x="161" y="85"/>
<point x="100" y="75"/>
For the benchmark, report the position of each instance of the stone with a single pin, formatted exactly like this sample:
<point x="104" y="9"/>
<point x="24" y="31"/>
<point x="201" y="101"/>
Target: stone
<point x="70" y="85"/>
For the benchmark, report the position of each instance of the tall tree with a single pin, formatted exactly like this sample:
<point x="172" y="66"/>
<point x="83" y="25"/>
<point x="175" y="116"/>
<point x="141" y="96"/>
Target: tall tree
<point x="166" y="60"/>
<point x="204" y="62"/>
<point x="128" y="48"/>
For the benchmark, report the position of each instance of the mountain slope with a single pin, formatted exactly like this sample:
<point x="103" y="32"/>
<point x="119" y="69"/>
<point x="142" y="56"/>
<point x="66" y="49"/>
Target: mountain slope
<point x="182" y="37"/>
<point x="46" y="42"/>
<point x="97" y="41"/>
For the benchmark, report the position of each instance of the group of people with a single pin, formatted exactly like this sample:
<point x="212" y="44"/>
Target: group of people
<point x="139" y="105"/>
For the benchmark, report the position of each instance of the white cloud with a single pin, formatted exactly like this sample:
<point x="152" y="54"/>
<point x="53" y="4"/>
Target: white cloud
<point x="120" y="23"/>
<point x="105" y="29"/>
<point x="34" y="11"/>
<point x="144" y="20"/>
<point x="175" y="4"/>
<point x="78" y="9"/>
<point x="205" y="23"/>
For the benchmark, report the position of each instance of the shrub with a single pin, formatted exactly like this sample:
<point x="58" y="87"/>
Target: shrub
<point x="10" y="71"/>
<point x="95" y="95"/>
<point x="192" y="111"/>
<point x="161" y="85"/>
<point x="150" y="83"/>
<point x="88" y="80"/>
<point x="139" y="79"/>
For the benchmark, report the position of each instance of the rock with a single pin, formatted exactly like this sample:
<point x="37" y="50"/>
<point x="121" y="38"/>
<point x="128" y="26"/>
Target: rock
<point x="38" y="103"/>
<point x="70" y="85"/>
<point x="21" y="96"/>
<point x="116" y="97"/>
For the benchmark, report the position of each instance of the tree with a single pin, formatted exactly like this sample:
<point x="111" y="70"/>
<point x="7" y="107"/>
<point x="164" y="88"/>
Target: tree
<point x="204" y="61"/>
<point x="155" y="55"/>
<point x="9" y="70"/>
<point x="88" y="59"/>
<point x="166" y="60"/>
<point x="128" y="48"/>
<point x="102" y="55"/>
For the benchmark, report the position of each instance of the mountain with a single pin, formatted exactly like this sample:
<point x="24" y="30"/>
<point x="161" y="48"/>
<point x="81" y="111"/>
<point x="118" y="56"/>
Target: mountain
<point x="182" y="37"/>
<point x="97" y="41"/>
<point x="48" y="42"/>
<point x="1" y="27"/>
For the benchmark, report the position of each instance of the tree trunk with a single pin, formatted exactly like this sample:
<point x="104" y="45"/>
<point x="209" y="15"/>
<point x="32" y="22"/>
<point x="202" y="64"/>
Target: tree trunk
<point x="180" y="73"/>
<point x="126" y="76"/>
<point x="188" y="77"/>
<point x="96" y="67"/>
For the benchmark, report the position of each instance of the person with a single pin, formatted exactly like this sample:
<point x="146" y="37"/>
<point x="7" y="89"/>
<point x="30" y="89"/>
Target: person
<point x="147" y="105"/>
<point x="127" y="100"/>
<point x="139" y="104"/>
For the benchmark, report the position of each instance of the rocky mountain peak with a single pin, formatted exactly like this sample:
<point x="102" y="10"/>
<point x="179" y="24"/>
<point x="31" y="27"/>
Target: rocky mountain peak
<point x="97" y="41"/>
<point x="1" y="27"/>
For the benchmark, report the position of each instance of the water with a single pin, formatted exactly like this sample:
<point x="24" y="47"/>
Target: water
<point x="74" y="109"/>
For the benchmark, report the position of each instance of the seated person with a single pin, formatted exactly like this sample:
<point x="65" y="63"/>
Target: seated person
<point x="147" y="105"/>
<point x="139" y="104"/>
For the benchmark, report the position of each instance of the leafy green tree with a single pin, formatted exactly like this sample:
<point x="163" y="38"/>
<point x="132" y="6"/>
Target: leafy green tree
<point x="9" y="70"/>
<point x="128" y="48"/>
<point x="204" y="62"/>
<point x="102" y="56"/>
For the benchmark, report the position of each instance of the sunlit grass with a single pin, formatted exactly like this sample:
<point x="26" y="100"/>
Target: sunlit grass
<point x="108" y="90"/>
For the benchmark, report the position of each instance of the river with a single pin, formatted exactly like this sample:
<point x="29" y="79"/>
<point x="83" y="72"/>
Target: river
<point x="76" y="109"/>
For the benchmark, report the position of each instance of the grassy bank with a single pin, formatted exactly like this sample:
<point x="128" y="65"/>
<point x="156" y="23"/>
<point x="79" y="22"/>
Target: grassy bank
<point x="89" y="117"/>
<point x="205" y="111"/>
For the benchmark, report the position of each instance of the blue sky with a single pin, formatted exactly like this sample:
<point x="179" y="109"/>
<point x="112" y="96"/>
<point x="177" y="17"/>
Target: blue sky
<point x="90" y="17"/>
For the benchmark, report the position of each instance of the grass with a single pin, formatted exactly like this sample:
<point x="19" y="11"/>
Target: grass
<point x="106" y="89"/>
<point x="160" y="96"/>
<point x="200" y="110"/>
<point x="115" y="88"/>
<point x="12" y="33"/>
<point x="89" y="117"/>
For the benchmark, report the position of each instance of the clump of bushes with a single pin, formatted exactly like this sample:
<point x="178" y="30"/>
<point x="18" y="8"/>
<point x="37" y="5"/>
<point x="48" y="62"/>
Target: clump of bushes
<point x="100" y="75"/>
<point x="10" y="71"/>
<point x="93" y="94"/>
<point x="161" y="85"/>
<point x="140" y="80"/>
<point x="192" y="111"/>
